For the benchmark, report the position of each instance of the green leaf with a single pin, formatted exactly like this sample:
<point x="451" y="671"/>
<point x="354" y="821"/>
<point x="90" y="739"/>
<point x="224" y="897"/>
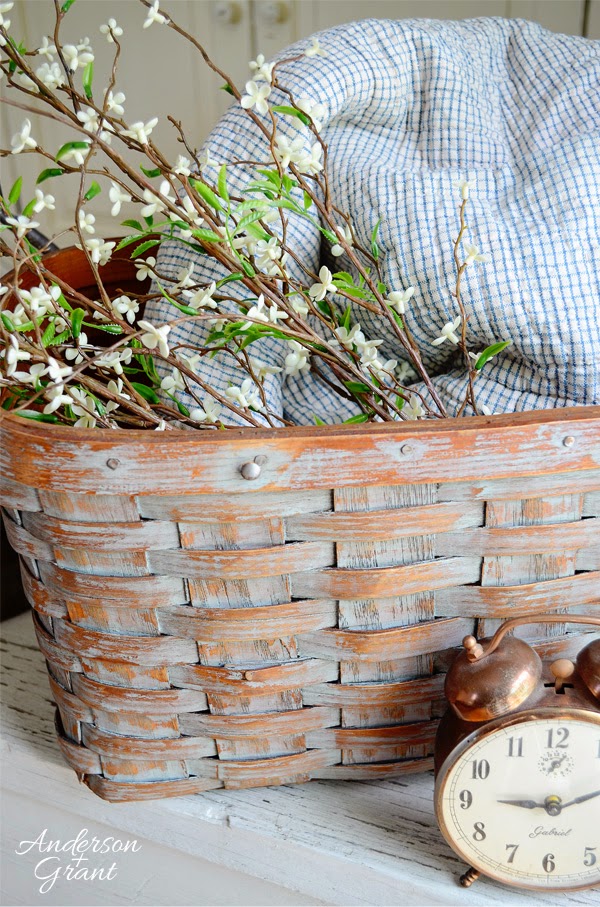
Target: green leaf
<point x="48" y="335"/>
<point x="7" y="322"/>
<point x="206" y="193"/>
<point x="87" y="79"/>
<point x="156" y="171"/>
<point x="146" y="392"/>
<point x="126" y="241"/>
<point x="346" y="318"/>
<point x="248" y="269"/>
<point x="226" y="87"/>
<point x="206" y="235"/>
<point x="28" y="209"/>
<point x="77" y="317"/>
<point x="15" y="192"/>
<point x="63" y="302"/>
<point x="108" y="328"/>
<point x="143" y="247"/>
<point x="61" y="338"/>
<point x="70" y="146"/>
<point x="357" y="387"/>
<point x="92" y="192"/>
<point x="230" y="279"/>
<point x="318" y="421"/>
<point x="374" y="246"/>
<point x="149" y="220"/>
<point x="182" y="409"/>
<point x="355" y="420"/>
<point x="490" y="351"/>
<point x="48" y="174"/>
<point x="32" y="414"/>
<point x="67" y="6"/>
<point x="222" y="183"/>
<point x="307" y="203"/>
<point x="291" y="112"/>
<point x="132" y="223"/>
<point x="247" y="220"/>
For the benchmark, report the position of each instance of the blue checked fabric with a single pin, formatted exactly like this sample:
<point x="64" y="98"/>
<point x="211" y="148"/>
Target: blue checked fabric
<point x="413" y="106"/>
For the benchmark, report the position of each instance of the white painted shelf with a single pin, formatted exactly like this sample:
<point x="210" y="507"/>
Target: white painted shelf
<point x="371" y="843"/>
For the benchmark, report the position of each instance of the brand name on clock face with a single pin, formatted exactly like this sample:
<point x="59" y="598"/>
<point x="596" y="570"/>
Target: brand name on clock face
<point x="541" y="831"/>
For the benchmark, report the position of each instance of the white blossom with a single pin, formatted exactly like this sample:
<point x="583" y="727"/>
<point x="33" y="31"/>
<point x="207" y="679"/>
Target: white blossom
<point x="260" y="311"/>
<point x="173" y="382"/>
<point x="299" y="304"/>
<point x="22" y="139"/>
<point x="140" y="131"/>
<point x="114" y="103"/>
<point x="83" y="406"/>
<point x="345" y="233"/>
<point x="246" y="395"/>
<point x="205" y="158"/>
<point x="162" y="425"/>
<point x="73" y="353"/>
<point x="463" y="186"/>
<point x="256" y="96"/>
<point x="145" y="268"/>
<point x="117" y="196"/>
<point x="183" y="166"/>
<point x="156" y="202"/>
<point x="123" y="305"/>
<point x="111" y="28"/>
<point x="33" y="376"/>
<point x="100" y="250"/>
<point x="267" y="251"/>
<point x="39" y="299"/>
<point x="153" y="15"/>
<point x="115" y="360"/>
<point x="5" y="8"/>
<point x="86" y="222"/>
<point x="26" y="81"/>
<point x="449" y="333"/>
<point x="57" y="372"/>
<point x="315" y="110"/>
<point x="116" y="387"/>
<point x="77" y="155"/>
<point x="412" y="408"/>
<point x="298" y="360"/>
<point x="22" y="224"/>
<point x="473" y="254"/>
<point x="77" y="55"/>
<point x="261" y="369"/>
<point x="384" y="370"/>
<point x="88" y="117"/>
<point x="260" y="69"/>
<point x="398" y="298"/>
<point x="57" y="398"/>
<point x="184" y="278"/>
<point x="368" y="350"/>
<point x="210" y="411"/>
<point x="347" y="338"/>
<point x="202" y="298"/>
<point x="315" y="49"/>
<point x="311" y="162"/>
<point x="47" y="49"/>
<point x="155" y="337"/>
<point x="405" y="372"/>
<point x="51" y="75"/>
<point x="326" y="285"/>
<point x="288" y="150"/>
<point x="485" y="410"/>
<point x="13" y="354"/>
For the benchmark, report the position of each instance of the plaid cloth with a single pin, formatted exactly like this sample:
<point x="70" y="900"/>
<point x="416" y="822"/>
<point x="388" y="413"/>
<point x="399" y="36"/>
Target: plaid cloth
<point x="412" y="106"/>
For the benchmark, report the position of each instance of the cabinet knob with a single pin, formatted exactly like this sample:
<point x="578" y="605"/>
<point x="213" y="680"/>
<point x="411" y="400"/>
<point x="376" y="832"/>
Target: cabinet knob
<point x="227" y="13"/>
<point x="274" y="12"/>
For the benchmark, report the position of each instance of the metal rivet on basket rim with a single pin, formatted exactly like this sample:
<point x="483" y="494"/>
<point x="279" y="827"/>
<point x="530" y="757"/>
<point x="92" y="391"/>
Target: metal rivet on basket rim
<point x="113" y="463"/>
<point x="406" y="449"/>
<point x="252" y="470"/>
<point x="568" y="441"/>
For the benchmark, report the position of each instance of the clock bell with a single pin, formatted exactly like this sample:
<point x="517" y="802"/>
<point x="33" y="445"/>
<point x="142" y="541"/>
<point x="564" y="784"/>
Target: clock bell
<point x="503" y="675"/>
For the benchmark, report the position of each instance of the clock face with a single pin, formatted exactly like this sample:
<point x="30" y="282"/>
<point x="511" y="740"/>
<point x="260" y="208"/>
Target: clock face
<point x="521" y="801"/>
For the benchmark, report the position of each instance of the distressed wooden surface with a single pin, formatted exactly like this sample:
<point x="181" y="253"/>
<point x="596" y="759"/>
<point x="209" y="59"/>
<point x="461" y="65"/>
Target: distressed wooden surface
<point x="351" y="843"/>
<point x="73" y="459"/>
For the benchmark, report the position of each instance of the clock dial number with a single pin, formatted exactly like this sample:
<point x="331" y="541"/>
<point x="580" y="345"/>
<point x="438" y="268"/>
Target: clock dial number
<point x="548" y="863"/>
<point x="557" y="738"/>
<point x="466" y="799"/>
<point x="589" y="857"/>
<point x="515" y="746"/>
<point x="513" y="849"/>
<point x="481" y="769"/>
<point x="479" y="832"/>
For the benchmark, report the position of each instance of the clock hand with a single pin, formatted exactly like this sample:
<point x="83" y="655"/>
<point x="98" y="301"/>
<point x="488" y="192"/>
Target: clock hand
<point x="526" y="804"/>
<point x="582" y="799"/>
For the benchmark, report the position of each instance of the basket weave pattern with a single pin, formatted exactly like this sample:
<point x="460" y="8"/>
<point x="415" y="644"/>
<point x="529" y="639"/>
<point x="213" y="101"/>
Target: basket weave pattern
<point x="204" y="631"/>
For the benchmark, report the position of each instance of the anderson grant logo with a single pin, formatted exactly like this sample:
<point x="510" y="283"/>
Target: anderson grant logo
<point x="77" y="858"/>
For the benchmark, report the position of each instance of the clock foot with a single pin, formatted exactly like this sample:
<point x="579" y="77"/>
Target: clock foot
<point x="468" y="877"/>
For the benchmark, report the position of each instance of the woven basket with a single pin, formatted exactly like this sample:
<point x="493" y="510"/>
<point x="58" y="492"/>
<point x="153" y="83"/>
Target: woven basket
<point x="205" y="630"/>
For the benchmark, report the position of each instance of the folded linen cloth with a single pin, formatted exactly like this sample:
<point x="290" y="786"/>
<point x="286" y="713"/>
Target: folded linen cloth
<point x="412" y="106"/>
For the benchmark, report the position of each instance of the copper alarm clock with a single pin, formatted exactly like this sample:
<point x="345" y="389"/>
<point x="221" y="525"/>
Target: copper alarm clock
<point x="517" y="792"/>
